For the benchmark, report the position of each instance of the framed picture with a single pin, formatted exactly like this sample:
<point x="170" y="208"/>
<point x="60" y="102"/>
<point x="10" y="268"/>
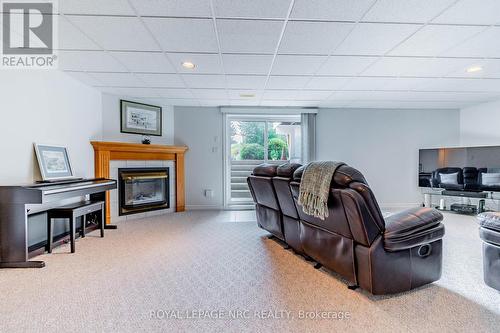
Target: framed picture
<point x="138" y="118"/>
<point x="53" y="162"/>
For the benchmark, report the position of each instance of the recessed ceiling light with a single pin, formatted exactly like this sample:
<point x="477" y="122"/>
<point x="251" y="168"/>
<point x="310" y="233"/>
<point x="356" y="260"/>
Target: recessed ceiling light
<point x="188" y="65"/>
<point x="247" y="95"/>
<point x="474" y="69"/>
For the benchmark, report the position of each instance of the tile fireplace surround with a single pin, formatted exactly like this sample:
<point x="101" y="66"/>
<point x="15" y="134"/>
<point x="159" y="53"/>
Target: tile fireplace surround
<point x="114" y="200"/>
<point x="110" y="156"/>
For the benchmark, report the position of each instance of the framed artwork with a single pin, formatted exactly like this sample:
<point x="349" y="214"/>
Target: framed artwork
<point x="53" y="162"/>
<point x="138" y="118"/>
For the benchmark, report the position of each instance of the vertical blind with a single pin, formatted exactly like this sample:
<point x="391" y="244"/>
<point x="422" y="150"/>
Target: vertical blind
<point x="308" y="128"/>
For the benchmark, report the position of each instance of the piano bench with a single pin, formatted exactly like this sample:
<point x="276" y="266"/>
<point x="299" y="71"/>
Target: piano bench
<point x="72" y="212"/>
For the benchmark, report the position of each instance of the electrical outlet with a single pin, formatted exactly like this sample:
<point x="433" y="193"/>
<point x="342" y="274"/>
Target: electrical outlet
<point x="209" y="194"/>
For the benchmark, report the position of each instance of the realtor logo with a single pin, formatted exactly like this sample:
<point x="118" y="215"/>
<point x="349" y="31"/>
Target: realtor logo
<point x="28" y="34"/>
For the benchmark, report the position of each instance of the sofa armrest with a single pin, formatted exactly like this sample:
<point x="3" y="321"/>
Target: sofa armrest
<point x="412" y="227"/>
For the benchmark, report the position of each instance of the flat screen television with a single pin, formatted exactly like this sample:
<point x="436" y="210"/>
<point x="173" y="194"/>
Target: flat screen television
<point x="474" y="169"/>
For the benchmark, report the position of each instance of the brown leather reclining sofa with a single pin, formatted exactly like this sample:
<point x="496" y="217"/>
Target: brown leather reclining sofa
<point x="382" y="256"/>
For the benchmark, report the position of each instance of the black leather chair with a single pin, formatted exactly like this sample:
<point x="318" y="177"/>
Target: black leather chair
<point x="436" y="178"/>
<point x="486" y="187"/>
<point x="489" y="231"/>
<point x="291" y="226"/>
<point x="269" y="216"/>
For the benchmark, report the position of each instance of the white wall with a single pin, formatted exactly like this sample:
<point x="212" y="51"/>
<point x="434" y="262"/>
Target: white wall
<point x="383" y="145"/>
<point x="111" y="121"/>
<point x="201" y="130"/>
<point x="46" y="107"/>
<point x="479" y="124"/>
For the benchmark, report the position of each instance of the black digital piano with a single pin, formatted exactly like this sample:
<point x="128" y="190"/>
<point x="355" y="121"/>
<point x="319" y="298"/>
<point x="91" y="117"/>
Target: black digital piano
<point x="14" y="211"/>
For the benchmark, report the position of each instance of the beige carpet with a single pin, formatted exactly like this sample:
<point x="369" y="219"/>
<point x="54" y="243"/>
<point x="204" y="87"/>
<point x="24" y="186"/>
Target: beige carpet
<point x="202" y="261"/>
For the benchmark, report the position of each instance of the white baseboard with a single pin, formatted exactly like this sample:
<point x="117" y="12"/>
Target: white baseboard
<point x="383" y="206"/>
<point x="400" y="205"/>
<point x="204" y="207"/>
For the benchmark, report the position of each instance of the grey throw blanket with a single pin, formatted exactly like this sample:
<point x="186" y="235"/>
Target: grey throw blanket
<point x="315" y="187"/>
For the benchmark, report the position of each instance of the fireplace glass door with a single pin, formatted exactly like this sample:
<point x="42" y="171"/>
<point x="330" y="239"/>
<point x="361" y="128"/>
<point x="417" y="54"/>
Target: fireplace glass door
<point x="143" y="190"/>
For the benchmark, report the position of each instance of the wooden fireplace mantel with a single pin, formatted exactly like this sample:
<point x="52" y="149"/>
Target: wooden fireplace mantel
<point x="104" y="152"/>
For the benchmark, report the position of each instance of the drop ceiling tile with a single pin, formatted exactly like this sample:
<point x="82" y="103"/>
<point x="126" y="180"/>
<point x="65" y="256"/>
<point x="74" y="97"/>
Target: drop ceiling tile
<point x="287" y="82"/>
<point x="485" y="44"/>
<point x="365" y="95"/>
<point x="130" y="92"/>
<point x="472" y="12"/>
<point x="477" y="97"/>
<point x="71" y="38"/>
<point x="184" y="102"/>
<point x="304" y="103"/>
<point x="246" y="64"/>
<point x="174" y="93"/>
<point x="84" y="78"/>
<point x="278" y="103"/>
<point x="385" y="83"/>
<point x="118" y="79"/>
<point x="162" y="80"/>
<point x="465" y="85"/>
<point x="96" y="7"/>
<point x="302" y="37"/>
<point x="204" y="81"/>
<point x="173" y="101"/>
<point x="297" y="65"/>
<point x="434" y="40"/>
<point x="250" y="36"/>
<point x="241" y="102"/>
<point x="183" y="34"/>
<point x="98" y="61"/>
<point x="405" y="105"/>
<point x="330" y="10"/>
<point x="332" y="104"/>
<point x="407" y="11"/>
<point x="116" y="33"/>
<point x="490" y="69"/>
<point x="246" y="81"/>
<point x="414" y="66"/>
<point x="251" y="9"/>
<point x="214" y="102"/>
<point x="205" y="63"/>
<point x="181" y="8"/>
<point x="204" y="94"/>
<point x="312" y="95"/>
<point x="236" y="94"/>
<point x="327" y="83"/>
<point x="346" y="65"/>
<point x="413" y="96"/>
<point x="150" y="62"/>
<point x="280" y="94"/>
<point x="375" y="38"/>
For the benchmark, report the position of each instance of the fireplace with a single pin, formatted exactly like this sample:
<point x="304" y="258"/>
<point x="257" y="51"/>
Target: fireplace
<point x="142" y="190"/>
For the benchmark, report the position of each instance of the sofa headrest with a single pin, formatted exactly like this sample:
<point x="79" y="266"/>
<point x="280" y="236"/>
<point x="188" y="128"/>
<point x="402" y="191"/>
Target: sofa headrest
<point x="265" y="170"/>
<point x="449" y="170"/>
<point x="297" y="175"/>
<point x="344" y="175"/>
<point x="287" y="169"/>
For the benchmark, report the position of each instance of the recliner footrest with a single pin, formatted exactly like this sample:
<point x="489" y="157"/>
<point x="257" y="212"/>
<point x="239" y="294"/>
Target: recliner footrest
<point x="413" y="227"/>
